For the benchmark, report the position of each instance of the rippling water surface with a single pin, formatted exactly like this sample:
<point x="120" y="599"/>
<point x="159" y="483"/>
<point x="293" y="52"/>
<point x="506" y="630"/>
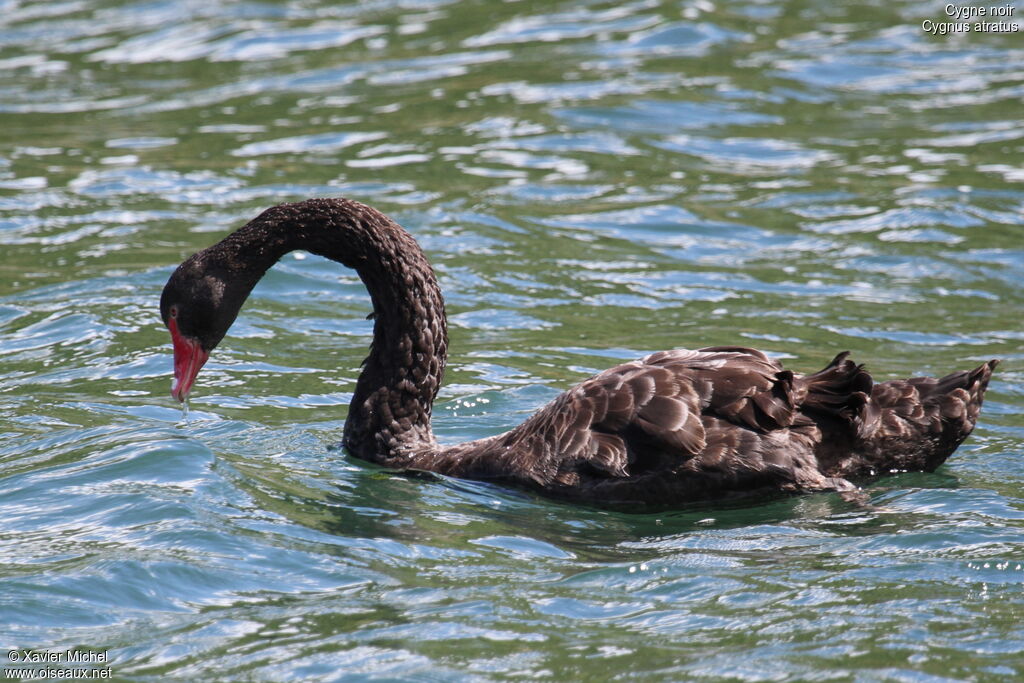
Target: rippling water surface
<point x="593" y="181"/>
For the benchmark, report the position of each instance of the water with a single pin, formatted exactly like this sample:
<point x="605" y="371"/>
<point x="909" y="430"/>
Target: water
<point x="593" y="181"/>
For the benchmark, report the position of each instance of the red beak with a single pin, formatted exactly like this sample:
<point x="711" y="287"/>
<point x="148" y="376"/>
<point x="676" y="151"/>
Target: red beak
<point x="189" y="358"/>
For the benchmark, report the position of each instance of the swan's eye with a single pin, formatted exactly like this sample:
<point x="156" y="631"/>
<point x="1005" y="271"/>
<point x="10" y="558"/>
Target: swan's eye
<point x="174" y="311"/>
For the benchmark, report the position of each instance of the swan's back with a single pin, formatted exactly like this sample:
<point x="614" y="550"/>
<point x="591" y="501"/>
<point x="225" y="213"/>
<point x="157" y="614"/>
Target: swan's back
<point x="681" y="426"/>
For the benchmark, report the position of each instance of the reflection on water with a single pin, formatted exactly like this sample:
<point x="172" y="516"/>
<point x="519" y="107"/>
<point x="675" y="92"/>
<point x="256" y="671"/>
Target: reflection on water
<point x="592" y="181"/>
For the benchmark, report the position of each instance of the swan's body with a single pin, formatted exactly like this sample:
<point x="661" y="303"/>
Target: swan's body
<point x="668" y="429"/>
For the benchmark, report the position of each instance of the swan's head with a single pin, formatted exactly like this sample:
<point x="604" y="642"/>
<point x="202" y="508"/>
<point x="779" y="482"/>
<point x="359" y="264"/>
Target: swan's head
<point x="197" y="308"/>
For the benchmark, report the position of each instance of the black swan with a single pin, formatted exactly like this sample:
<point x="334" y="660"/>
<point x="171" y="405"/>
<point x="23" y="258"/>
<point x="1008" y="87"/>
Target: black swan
<point x="669" y="429"/>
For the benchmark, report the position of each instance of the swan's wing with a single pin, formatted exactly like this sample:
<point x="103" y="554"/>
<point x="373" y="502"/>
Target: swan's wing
<point x="654" y="413"/>
<point x="736" y="384"/>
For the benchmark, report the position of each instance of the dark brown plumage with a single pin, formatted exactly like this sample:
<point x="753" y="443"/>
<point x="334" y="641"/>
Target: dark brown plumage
<point x="669" y="429"/>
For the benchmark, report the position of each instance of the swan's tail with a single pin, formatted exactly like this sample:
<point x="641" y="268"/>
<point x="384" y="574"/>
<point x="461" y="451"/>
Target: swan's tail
<point x="953" y="404"/>
<point x="896" y="426"/>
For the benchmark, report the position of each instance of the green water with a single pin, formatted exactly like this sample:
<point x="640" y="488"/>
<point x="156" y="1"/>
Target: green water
<point x="593" y="181"/>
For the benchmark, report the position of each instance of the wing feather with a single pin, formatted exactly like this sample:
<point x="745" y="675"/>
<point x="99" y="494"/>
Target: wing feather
<point x="652" y="415"/>
<point x="648" y="413"/>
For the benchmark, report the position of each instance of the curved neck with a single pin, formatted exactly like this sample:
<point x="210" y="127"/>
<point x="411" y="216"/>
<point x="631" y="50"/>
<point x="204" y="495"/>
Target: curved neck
<point x="389" y="417"/>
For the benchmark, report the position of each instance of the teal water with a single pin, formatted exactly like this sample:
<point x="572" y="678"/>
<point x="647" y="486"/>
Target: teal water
<point x="593" y="181"/>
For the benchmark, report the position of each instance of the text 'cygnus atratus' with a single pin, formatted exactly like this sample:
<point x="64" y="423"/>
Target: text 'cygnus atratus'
<point x="668" y="429"/>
